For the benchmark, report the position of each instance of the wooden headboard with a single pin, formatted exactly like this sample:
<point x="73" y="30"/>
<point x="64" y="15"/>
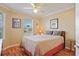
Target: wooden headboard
<point x="63" y="34"/>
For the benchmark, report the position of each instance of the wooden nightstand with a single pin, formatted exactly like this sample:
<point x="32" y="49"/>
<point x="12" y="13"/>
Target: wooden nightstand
<point x="72" y="43"/>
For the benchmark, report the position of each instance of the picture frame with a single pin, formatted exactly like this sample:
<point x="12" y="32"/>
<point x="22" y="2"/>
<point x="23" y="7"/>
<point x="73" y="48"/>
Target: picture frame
<point x="16" y="23"/>
<point x="54" y="23"/>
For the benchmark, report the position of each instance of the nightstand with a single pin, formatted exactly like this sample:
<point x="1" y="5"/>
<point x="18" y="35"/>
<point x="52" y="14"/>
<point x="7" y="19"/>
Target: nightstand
<point x="72" y="44"/>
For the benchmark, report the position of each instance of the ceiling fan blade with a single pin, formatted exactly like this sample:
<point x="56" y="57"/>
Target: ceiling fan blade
<point x="27" y="8"/>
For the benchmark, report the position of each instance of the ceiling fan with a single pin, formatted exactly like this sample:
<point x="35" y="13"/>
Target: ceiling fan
<point x="35" y="7"/>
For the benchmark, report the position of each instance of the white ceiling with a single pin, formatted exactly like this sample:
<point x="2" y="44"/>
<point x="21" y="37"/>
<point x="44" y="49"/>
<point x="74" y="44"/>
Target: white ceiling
<point x="46" y="8"/>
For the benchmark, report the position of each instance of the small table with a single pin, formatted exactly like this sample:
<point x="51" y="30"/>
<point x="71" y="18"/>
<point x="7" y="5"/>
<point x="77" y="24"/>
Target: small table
<point x="72" y="44"/>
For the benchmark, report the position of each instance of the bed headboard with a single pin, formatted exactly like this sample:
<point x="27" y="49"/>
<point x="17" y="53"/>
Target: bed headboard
<point x="63" y="34"/>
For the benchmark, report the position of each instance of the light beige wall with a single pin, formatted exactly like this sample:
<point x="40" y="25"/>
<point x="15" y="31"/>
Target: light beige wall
<point x="12" y="35"/>
<point x="37" y="22"/>
<point x="66" y="22"/>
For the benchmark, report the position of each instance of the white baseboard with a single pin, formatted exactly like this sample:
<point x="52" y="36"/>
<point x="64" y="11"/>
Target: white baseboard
<point x="11" y="46"/>
<point x="69" y="48"/>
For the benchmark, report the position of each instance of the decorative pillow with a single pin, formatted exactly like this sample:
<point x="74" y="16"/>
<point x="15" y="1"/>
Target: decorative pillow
<point x="56" y="33"/>
<point x="48" y="32"/>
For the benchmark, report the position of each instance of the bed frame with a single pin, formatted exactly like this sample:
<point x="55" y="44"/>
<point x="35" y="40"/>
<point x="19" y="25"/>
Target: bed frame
<point x="62" y="33"/>
<point x="55" y="50"/>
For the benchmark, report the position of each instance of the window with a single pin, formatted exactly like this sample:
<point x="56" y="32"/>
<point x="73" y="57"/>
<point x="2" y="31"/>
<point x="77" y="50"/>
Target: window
<point x="1" y="25"/>
<point x="27" y="24"/>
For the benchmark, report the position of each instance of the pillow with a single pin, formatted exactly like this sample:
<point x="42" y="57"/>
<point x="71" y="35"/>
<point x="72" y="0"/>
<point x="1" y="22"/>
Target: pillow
<point x="56" y="33"/>
<point x="48" y="32"/>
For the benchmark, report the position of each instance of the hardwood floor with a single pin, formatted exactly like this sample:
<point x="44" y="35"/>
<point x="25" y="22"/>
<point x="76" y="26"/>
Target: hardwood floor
<point x="20" y="51"/>
<point x="65" y="52"/>
<point x="14" y="51"/>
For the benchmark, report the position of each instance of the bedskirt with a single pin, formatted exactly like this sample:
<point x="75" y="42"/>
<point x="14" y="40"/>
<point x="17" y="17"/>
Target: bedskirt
<point x="51" y="52"/>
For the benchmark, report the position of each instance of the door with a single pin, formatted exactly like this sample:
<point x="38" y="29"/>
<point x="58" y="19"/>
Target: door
<point x="77" y="30"/>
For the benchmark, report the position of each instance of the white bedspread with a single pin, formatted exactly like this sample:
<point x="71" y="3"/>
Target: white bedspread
<point x="31" y="42"/>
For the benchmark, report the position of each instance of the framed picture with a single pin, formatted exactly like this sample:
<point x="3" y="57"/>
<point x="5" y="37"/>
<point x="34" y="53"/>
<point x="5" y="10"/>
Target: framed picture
<point x="16" y="23"/>
<point x="54" y="23"/>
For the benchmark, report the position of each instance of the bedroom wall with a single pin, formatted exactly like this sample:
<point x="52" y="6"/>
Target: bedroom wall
<point x="37" y="23"/>
<point x="13" y="36"/>
<point x="66" y="22"/>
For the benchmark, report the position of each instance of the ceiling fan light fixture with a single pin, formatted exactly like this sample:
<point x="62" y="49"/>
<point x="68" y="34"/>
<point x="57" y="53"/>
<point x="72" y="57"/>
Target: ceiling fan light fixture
<point x="35" y="10"/>
<point x="35" y="7"/>
<point x="32" y="4"/>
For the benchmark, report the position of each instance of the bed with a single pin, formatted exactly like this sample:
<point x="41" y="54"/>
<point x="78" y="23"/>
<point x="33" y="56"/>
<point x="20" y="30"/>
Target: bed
<point x="43" y="45"/>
